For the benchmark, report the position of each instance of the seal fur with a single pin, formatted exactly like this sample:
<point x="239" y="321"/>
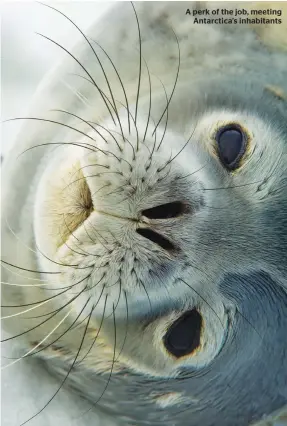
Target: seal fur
<point x="235" y="278"/>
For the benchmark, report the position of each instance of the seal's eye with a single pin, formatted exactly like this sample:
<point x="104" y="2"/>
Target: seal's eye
<point x="183" y="337"/>
<point x="231" y="145"/>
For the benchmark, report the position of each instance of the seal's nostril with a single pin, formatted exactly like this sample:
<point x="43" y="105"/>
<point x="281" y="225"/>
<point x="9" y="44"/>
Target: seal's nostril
<point x="156" y="238"/>
<point x="183" y="337"/>
<point x="165" y="211"/>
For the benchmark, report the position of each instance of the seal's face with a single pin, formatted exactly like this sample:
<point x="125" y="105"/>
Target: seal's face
<point x="149" y="225"/>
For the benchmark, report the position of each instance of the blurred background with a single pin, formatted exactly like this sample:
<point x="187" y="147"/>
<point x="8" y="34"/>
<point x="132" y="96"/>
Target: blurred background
<point x="26" y="57"/>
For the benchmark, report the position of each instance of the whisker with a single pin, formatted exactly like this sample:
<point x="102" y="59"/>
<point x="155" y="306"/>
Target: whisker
<point x="63" y="264"/>
<point x="21" y="276"/>
<point x="153" y="148"/>
<point x="60" y="124"/>
<point x="84" y="253"/>
<point x="149" y="108"/>
<point x="117" y="190"/>
<point x="126" y="140"/>
<point x="93" y="286"/>
<point x="120" y="80"/>
<point x="180" y="151"/>
<point x="88" y="165"/>
<point x="140" y="63"/>
<point x="102" y="93"/>
<point x="75" y="251"/>
<point x="102" y="187"/>
<point x="166" y="121"/>
<point x="98" y="332"/>
<point x="34" y="307"/>
<point x="28" y="270"/>
<point x="78" y="94"/>
<point x="70" y="369"/>
<point x="83" y="68"/>
<point x="33" y="251"/>
<point x="97" y="233"/>
<point x="127" y="322"/>
<point x="128" y="111"/>
<point x="175" y="83"/>
<point x="232" y="187"/>
<point x="25" y="285"/>
<point x="204" y="301"/>
<point x="116" y="172"/>
<point x="166" y="175"/>
<point x="34" y="303"/>
<point x="66" y="331"/>
<point x="112" y="285"/>
<point x="35" y="347"/>
<point x="144" y="287"/>
<point x="80" y="145"/>
<point x="36" y="285"/>
<point x="115" y="238"/>
<point x="120" y="292"/>
<point x="27" y="310"/>
<point x="113" y="362"/>
<point x="251" y="325"/>
<point x="246" y="184"/>
<point x="93" y="241"/>
<point x="86" y="288"/>
<point x="89" y="123"/>
<point x="79" y="323"/>
<point x="135" y="126"/>
<point x="98" y="59"/>
<point x="191" y="174"/>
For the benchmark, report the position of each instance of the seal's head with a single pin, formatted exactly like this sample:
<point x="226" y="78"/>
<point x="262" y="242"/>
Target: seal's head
<point x="183" y="237"/>
<point x="166" y="226"/>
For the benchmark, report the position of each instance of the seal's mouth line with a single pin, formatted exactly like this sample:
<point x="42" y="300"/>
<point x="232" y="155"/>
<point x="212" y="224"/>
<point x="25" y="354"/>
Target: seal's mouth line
<point x="164" y="211"/>
<point x="103" y="213"/>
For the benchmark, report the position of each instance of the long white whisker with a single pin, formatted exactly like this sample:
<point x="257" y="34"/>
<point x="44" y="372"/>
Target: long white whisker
<point x="24" y="285"/>
<point x="13" y="271"/>
<point x="27" y="310"/>
<point x="35" y="347"/>
<point x="78" y="94"/>
<point x="17" y="238"/>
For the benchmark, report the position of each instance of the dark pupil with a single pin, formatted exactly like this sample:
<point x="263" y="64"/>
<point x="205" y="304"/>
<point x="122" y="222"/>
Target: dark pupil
<point x="230" y="147"/>
<point x="184" y="334"/>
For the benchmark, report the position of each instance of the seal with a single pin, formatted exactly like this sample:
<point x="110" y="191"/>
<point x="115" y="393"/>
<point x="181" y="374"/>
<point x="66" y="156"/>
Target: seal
<point x="144" y="255"/>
